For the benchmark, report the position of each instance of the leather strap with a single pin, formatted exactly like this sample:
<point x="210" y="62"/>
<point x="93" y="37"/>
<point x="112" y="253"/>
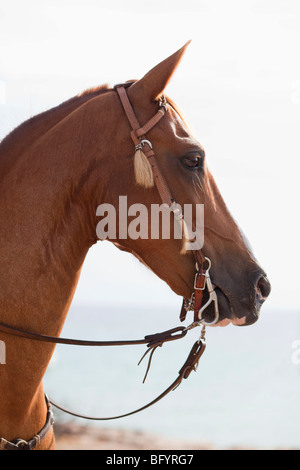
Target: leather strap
<point x="190" y="364"/>
<point x="128" y="110"/>
<point x="199" y="286"/>
<point x="137" y="131"/>
<point x="151" y="123"/>
<point x="137" y="134"/>
<point x="165" y="336"/>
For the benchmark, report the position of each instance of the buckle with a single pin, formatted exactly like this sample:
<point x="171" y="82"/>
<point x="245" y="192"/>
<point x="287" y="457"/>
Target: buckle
<point x="213" y="298"/>
<point x="162" y="103"/>
<point x="141" y="144"/>
<point x="20" y="443"/>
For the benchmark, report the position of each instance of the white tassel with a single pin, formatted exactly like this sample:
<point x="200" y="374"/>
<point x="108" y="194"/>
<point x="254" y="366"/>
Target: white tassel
<point x="185" y="235"/>
<point x="142" y="170"/>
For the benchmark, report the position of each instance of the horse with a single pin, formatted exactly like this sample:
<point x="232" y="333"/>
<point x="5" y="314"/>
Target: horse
<point x="55" y="171"/>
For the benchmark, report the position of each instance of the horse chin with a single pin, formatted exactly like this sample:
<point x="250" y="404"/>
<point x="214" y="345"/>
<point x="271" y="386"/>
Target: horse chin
<point x="235" y="321"/>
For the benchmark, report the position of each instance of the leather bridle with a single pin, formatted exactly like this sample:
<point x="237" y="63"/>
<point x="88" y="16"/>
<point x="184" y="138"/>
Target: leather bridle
<point x="202" y="283"/>
<point x="202" y="277"/>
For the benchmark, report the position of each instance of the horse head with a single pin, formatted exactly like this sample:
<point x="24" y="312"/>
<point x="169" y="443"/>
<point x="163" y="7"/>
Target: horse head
<point x="239" y="282"/>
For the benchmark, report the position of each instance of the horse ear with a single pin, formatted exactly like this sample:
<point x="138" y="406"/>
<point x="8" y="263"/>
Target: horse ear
<point x="155" y="81"/>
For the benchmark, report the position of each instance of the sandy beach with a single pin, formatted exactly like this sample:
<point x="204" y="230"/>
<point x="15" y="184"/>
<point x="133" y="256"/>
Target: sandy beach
<point x="77" y="437"/>
<point x="72" y="436"/>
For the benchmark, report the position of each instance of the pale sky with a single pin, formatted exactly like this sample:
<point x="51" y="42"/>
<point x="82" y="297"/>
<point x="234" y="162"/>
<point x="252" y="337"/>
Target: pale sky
<point x="238" y="85"/>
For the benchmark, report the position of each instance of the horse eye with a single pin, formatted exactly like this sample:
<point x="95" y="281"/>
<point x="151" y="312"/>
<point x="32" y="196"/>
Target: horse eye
<point x="191" y="162"/>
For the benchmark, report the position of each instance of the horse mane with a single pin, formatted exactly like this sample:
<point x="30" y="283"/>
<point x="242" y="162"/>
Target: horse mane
<point x="26" y="133"/>
<point x="23" y="136"/>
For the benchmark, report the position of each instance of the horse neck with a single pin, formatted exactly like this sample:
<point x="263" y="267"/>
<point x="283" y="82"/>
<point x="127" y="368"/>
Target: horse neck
<point x="46" y="226"/>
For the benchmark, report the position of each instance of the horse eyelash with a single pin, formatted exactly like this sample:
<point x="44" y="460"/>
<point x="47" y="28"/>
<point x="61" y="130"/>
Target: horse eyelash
<point x="197" y="183"/>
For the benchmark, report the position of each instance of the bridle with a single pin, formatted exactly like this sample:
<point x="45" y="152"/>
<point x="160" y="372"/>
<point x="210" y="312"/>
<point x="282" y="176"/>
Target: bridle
<point x="202" y="276"/>
<point x="202" y="283"/>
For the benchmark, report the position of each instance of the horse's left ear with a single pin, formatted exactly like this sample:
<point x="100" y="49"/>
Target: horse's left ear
<point x="155" y="81"/>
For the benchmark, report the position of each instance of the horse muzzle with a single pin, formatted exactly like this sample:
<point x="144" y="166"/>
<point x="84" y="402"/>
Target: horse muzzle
<point x="243" y="310"/>
<point x="217" y="307"/>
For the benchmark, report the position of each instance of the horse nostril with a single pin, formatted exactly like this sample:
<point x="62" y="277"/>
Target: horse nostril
<point x="263" y="288"/>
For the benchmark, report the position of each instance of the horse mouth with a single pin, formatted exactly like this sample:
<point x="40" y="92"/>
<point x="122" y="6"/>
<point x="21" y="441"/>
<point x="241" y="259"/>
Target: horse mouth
<point x="226" y="312"/>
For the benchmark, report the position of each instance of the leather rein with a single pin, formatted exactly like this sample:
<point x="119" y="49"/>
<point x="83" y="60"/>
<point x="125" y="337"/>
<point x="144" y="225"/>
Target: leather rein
<point x="202" y="283"/>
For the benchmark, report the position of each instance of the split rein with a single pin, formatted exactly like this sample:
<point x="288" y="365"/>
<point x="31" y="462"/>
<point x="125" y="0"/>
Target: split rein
<point x="202" y="283"/>
<point x="152" y="341"/>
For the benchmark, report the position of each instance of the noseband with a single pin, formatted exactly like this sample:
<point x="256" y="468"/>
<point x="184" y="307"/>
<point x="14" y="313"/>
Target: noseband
<point x="202" y="283"/>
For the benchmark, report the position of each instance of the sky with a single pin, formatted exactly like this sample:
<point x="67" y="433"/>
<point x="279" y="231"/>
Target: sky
<point x="238" y="85"/>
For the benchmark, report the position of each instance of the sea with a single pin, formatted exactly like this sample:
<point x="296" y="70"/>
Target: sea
<point x="245" y="392"/>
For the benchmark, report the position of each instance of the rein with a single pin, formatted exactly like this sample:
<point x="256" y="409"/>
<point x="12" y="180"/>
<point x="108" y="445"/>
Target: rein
<point x="202" y="282"/>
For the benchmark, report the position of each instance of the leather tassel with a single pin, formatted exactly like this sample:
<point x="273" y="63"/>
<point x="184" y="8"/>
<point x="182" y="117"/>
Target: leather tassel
<point x="142" y="170"/>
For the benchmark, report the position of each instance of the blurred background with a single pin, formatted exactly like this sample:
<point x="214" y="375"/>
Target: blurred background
<point x="239" y="86"/>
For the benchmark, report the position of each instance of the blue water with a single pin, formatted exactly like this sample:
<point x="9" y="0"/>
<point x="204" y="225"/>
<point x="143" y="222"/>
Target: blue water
<point x="245" y="391"/>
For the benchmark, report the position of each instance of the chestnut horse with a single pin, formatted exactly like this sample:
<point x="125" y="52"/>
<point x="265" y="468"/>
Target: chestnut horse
<point x="55" y="170"/>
